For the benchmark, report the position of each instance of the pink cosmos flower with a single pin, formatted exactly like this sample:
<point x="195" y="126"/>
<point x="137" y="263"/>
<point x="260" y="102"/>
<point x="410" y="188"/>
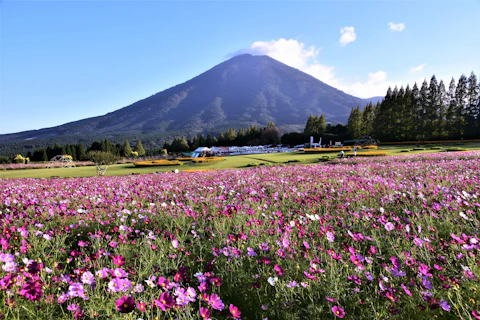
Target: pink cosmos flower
<point x="175" y="243"/>
<point x="119" y="260"/>
<point x="204" y="313"/>
<point x="234" y="311"/>
<point x="389" y="226"/>
<point x="278" y="270"/>
<point x="165" y="302"/>
<point x="338" y="312"/>
<point x="330" y="236"/>
<point x="215" y="302"/>
<point x="142" y="306"/>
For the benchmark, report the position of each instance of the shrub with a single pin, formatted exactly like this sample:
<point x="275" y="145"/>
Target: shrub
<point x="404" y="150"/>
<point x="453" y="149"/>
<point x="418" y="149"/>
<point x="4" y="160"/>
<point x="102" y="160"/>
<point x="293" y="160"/>
<point x="19" y="159"/>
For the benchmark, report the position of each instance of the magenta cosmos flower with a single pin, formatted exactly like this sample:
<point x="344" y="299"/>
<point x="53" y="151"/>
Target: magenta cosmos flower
<point x="338" y="312"/>
<point x="119" y="260"/>
<point x="204" y="313"/>
<point x="215" y="301"/>
<point x="125" y="304"/>
<point x="32" y="290"/>
<point x="234" y="311"/>
<point x="165" y="302"/>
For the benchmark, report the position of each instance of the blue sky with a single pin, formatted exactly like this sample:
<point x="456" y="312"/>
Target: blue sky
<point x="62" y="61"/>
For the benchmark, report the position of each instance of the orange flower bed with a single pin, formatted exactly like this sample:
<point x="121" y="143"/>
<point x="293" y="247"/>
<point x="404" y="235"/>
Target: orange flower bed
<point x="207" y="159"/>
<point x="152" y="163"/>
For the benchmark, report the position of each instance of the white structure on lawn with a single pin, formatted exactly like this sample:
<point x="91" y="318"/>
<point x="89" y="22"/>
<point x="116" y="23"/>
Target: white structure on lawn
<point x="200" y="152"/>
<point x="62" y="161"/>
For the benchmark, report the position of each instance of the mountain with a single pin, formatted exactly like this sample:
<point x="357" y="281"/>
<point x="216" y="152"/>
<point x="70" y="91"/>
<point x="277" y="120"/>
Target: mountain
<point x="242" y="91"/>
<point x="373" y="100"/>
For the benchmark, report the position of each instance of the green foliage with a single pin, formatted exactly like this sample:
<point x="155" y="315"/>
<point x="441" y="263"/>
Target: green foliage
<point x="139" y="148"/>
<point x="452" y="149"/>
<point x="315" y="125"/>
<point x="102" y="157"/>
<point x="354" y="124"/>
<point x="4" y="160"/>
<point x="127" y="149"/>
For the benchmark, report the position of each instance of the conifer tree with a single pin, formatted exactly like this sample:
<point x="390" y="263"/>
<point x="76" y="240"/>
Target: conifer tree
<point x="322" y="124"/>
<point x="195" y="143"/>
<point x="167" y="146"/>
<point x="127" y="150"/>
<point x="460" y="103"/>
<point x="139" y="148"/>
<point x="472" y="112"/>
<point x="450" y="115"/>
<point x="310" y="125"/>
<point x="422" y="110"/>
<point x="81" y="154"/>
<point x="441" y="127"/>
<point x="354" y="123"/>
<point x="431" y="107"/>
<point x="202" y="141"/>
<point x="367" y="120"/>
<point x="209" y="141"/>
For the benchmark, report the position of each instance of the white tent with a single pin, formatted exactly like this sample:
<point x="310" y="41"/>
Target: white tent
<point x="200" y="151"/>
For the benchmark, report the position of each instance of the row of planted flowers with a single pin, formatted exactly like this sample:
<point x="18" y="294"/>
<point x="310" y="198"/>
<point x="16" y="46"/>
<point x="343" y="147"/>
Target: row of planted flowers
<point x="385" y="239"/>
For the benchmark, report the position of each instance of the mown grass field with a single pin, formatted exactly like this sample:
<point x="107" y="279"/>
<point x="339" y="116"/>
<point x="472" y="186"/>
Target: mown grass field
<point x="233" y="162"/>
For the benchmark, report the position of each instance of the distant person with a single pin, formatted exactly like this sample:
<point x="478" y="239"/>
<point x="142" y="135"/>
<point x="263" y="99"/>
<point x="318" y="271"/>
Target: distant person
<point x="355" y="151"/>
<point x="342" y="154"/>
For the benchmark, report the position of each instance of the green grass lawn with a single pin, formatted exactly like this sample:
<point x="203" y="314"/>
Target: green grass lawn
<point x="241" y="161"/>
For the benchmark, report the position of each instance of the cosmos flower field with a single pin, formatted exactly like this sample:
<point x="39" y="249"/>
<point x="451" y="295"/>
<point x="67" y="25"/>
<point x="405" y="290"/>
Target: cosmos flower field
<point x="373" y="239"/>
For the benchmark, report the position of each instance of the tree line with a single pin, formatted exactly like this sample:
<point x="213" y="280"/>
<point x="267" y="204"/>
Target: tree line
<point x="430" y="112"/>
<point x="252" y="136"/>
<point x="231" y="137"/>
<point x="78" y="152"/>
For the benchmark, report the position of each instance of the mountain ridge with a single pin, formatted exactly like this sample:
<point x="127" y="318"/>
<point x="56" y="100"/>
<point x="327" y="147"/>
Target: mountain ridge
<point x="242" y="91"/>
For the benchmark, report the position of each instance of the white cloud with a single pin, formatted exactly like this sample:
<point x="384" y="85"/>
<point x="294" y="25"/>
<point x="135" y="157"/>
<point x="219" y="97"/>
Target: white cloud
<point x="396" y="26"/>
<point x="416" y="69"/>
<point x="290" y="51"/>
<point x="296" y="54"/>
<point x="348" y="35"/>
<point x="376" y="77"/>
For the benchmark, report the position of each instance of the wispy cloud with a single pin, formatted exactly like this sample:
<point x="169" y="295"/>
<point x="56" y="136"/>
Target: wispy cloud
<point x="347" y="35"/>
<point x="418" y="68"/>
<point x="396" y="26"/>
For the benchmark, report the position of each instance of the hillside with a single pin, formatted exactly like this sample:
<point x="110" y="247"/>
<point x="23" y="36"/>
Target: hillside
<point x="245" y="90"/>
